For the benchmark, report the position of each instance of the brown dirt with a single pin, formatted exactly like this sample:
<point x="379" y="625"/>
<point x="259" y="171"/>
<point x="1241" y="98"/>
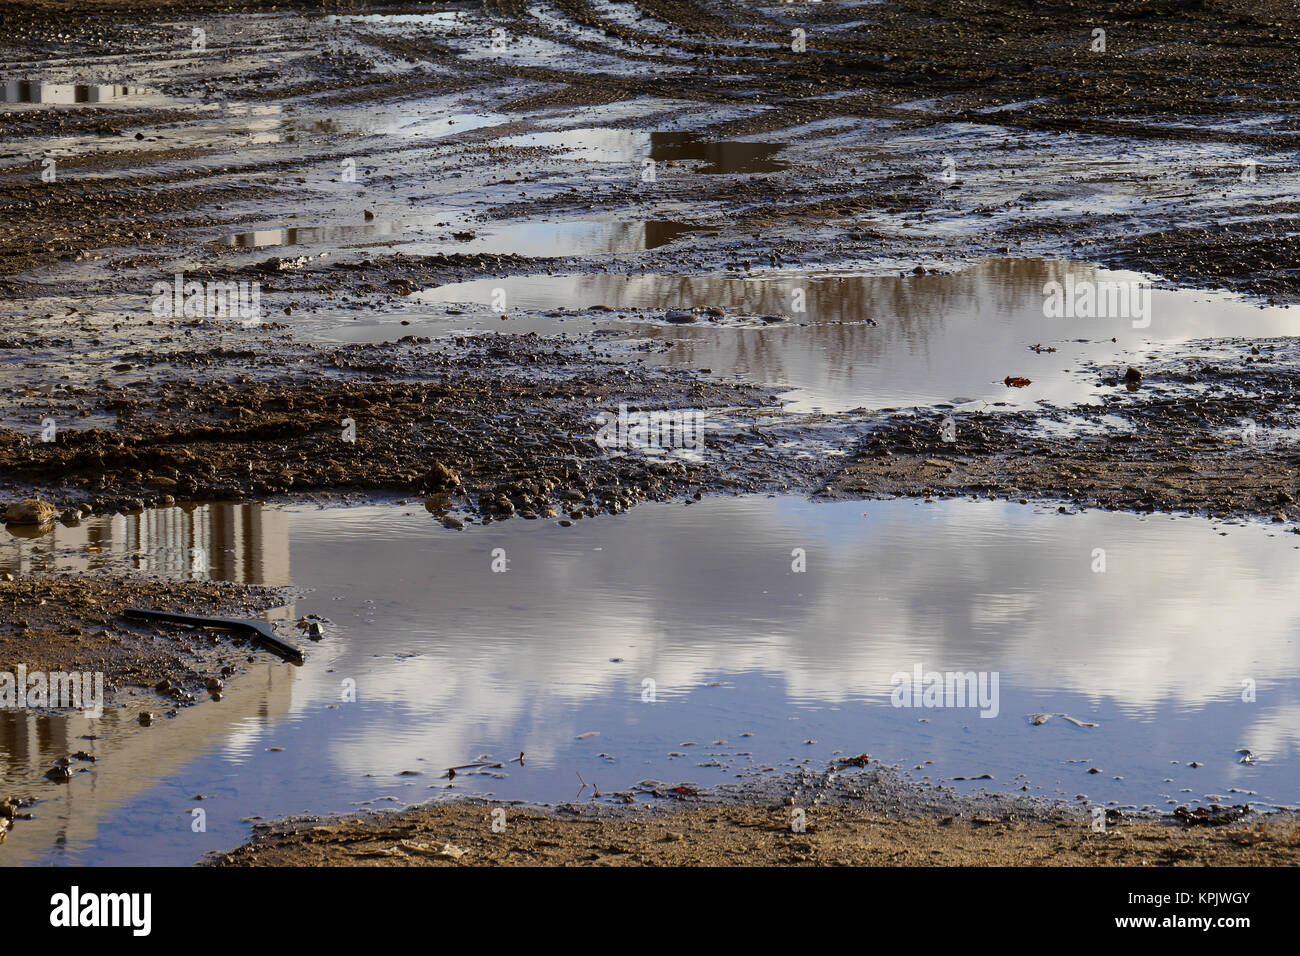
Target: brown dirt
<point x="500" y="425"/>
<point x="756" y="835"/>
<point x="73" y="622"/>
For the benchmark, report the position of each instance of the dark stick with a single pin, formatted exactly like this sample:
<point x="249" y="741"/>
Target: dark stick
<point x="260" y="631"/>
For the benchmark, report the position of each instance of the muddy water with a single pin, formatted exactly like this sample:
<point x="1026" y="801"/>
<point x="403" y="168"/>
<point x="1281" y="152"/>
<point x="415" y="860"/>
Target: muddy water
<point x="754" y="667"/>
<point x="871" y="340"/>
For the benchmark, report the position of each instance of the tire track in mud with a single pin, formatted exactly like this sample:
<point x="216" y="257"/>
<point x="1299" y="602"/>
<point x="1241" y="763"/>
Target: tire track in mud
<point x="877" y="63"/>
<point x="952" y="61"/>
<point x="936" y="54"/>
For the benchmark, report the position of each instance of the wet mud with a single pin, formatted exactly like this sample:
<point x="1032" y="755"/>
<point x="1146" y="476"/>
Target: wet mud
<point x="1210" y="432"/>
<point x="496" y="426"/>
<point x="903" y="133"/>
<point x="75" y="622"/>
<point x="348" y="157"/>
<point x="56" y="626"/>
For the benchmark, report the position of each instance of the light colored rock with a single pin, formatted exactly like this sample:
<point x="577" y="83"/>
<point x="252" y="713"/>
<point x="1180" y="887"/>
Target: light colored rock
<point x="30" y="511"/>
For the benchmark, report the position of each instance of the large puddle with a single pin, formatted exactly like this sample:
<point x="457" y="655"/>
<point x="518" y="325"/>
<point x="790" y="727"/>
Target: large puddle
<point x="677" y="644"/>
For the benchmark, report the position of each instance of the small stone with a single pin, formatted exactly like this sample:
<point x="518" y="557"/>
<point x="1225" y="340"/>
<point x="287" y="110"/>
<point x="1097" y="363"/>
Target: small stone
<point x="441" y="478"/>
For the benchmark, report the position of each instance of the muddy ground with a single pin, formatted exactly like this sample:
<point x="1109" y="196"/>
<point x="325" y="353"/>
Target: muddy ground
<point x="1201" y="436"/>
<point x="497" y="426"/>
<point x="1129" y="156"/>
<point x="908" y="135"/>
<point x="505" y="425"/>
<point x="1181" y="94"/>
<point x="74" y="622"/>
<point x="731" y="832"/>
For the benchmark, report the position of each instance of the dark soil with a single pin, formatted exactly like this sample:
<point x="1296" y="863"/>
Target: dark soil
<point x="1208" y="432"/>
<point x="498" y="425"/>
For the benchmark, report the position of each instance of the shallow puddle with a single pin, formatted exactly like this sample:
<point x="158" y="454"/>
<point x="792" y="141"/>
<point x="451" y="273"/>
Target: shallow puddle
<point x="566" y="238"/>
<point x="879" y="341"/>
<point x="77" y="94"/>
<point x="677" y="644"/>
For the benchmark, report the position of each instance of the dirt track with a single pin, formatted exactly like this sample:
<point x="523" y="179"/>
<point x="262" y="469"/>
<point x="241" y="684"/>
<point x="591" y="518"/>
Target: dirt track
<point x="1028" y="111"/>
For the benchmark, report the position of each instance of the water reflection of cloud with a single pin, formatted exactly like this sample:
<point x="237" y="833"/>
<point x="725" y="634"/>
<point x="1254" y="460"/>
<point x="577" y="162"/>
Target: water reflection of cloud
<point x="1178" y="619"/>
<point x="446" y="654"/>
